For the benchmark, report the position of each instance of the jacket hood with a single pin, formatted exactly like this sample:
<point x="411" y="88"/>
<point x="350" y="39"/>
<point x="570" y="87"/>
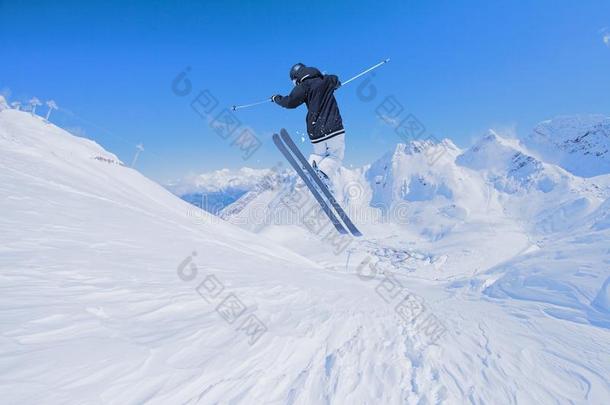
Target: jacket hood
<point x="307" y="73"/>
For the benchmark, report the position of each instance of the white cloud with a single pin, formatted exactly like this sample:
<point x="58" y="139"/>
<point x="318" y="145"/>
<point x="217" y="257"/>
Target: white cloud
<point x="391" y="121"/>
<point x="605" y="35"/>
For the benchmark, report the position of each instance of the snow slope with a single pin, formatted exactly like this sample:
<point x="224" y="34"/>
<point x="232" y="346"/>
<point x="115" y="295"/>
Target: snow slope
<point x="495" y="221"/>
<point x="93" y="309"/>
<point x="112" y="293"/>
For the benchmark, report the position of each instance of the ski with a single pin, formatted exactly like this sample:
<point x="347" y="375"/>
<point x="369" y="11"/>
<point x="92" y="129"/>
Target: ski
<point x="295" y="150"/>
<point x="335" y="221"/>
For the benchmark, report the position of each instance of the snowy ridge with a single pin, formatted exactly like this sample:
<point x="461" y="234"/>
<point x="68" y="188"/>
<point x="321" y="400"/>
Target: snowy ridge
<point x="510" y="166"/>
<point x="217" y="190"/>
<point x="579" y="143"/>
<point x="405" y="174"/>
<point x="219" y="180"/>
<point x="46" y="140"/>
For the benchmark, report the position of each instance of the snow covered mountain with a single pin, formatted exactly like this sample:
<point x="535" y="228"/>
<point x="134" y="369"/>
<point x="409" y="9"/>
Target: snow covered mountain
<point x="580" y="143"/>
<point x="498" y="178"/>
<point x="509" y="166"/>
<point x="220" y="180"/>
<point x="216" y="190"/>
<point x="478" y="270"/>
<point x="543" y="196"/>
<point x="407" y="175"/>
<point x="3" y="103"/>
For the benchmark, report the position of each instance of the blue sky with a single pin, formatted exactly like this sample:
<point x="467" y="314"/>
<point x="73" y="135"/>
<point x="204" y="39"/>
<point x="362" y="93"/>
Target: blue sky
<point x="459" y="66"/>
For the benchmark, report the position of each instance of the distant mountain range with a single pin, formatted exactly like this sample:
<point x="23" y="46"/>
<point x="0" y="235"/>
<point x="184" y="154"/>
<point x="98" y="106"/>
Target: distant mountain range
<point x="216" y="190"/>
<point x="559" y="159"/>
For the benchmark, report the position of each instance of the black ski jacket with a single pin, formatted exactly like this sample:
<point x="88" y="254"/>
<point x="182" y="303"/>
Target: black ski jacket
<point x="316" y="91"/>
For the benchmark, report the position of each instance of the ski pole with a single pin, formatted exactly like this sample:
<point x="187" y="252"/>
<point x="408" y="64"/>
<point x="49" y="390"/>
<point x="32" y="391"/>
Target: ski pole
<point x="365" y="71"/>
<point x="237" y="107"/>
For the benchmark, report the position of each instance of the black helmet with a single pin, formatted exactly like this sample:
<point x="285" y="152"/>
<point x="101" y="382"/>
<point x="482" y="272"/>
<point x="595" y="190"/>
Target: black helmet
<point x="294" y="69"/>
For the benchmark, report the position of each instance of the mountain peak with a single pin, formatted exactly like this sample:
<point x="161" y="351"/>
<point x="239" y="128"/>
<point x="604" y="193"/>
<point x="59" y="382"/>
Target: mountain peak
<point x="491" y="151"/>
<point x="578" y="143"/>
<point x="218" y="180"/>
<point x="430" y="149"/>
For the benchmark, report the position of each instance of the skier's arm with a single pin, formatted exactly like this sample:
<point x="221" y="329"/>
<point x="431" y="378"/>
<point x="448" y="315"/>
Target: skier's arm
<point x="333" y="81"/>
<point x="293" y="100"/>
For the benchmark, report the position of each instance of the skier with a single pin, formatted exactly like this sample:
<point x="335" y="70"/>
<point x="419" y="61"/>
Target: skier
<point x="324" y="123"/>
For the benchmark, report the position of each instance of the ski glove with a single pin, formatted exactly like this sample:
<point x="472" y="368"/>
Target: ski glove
<point x="275" y="98"/>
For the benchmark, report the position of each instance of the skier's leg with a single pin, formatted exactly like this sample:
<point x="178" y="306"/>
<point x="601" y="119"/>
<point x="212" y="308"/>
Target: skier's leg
<point x="327" y="158"/>
<point x="332" y="164"/>
<point x="318" y="153"/>
<point x="334" y="151"/>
